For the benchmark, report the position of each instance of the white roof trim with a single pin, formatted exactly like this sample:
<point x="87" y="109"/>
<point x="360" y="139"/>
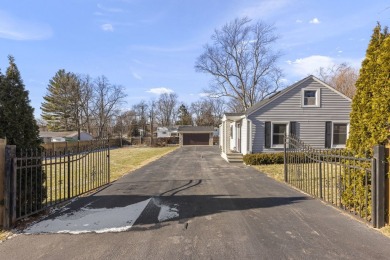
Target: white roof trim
<point x="331" y="88"/>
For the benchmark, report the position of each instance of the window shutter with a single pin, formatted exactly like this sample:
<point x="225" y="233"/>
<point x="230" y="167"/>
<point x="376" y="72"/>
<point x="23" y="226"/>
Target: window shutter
<point x="267" y="136"/>
<point x="328" y="134"/>
<point x="293" y="129"/>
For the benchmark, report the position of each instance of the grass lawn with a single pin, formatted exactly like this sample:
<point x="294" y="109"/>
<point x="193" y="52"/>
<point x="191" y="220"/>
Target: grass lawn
<point x="275" y="171"/>
<point x="125" y="160"/>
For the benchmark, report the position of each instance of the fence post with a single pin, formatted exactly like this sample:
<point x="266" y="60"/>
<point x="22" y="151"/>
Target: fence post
<point x="379" y="195"/>
<point x="320" y="176"/>
<point x="3" y="143"/>
<point x="9" y="193"/>
<point x="68" y="175"/>
<point x="285" y="157"/>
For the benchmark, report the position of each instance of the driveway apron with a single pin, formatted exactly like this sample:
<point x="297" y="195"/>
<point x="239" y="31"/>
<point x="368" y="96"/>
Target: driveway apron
<point x="191" y="204"/>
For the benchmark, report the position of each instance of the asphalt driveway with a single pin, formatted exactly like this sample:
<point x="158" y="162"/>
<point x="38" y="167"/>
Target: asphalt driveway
<point x="191" y="204"/>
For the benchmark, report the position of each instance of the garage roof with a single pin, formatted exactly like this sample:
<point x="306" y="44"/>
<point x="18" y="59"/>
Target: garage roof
<point x="196" y="129"/>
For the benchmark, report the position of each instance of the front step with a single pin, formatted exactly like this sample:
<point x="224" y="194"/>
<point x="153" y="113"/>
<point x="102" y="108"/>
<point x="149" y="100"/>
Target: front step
<point x="235" y="157"/>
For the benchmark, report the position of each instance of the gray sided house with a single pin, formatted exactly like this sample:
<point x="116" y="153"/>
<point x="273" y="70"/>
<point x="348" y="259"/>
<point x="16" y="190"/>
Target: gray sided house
<point x="309" y="109"/>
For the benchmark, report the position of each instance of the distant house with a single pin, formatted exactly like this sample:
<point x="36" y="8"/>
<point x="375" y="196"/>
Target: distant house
<point x="309" y="109"/>
<point x="167" y="132"/>
<point x="49" y="137"/>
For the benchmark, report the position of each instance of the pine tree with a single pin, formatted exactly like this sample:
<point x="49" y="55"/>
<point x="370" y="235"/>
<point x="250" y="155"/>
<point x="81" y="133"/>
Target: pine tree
<point x="364" y="120"/>
<point x="184" y="116"/>
<point x="61" y="108"/>
<point x="17" y="123"/>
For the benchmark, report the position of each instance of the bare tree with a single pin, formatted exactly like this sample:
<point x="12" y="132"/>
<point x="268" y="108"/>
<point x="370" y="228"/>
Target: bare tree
<point x="86" y="101"/>
<point x="219" y="108"/>
<point x="242" y="62"/>
<point x="341" y="77"/>
<point x="166" y="109"/>
<point x="108" y="97"/>
<point x="124" y="124"/>
<point x="141" y="110"/>
<point x="208" y="111"/>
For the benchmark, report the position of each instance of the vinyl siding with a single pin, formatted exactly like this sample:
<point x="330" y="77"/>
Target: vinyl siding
<point x="310" y="120"/>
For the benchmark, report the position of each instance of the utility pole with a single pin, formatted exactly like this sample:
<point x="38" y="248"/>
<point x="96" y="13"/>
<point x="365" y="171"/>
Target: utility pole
<point x="151" y="126"/>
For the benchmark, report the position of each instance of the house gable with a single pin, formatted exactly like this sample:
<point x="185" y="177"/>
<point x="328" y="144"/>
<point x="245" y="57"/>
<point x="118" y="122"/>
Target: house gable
<point x="311" y="82"/>
<point x="308" y="121"/>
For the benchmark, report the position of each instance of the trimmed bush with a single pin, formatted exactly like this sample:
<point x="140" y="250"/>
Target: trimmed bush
<point x="264" y="158"/>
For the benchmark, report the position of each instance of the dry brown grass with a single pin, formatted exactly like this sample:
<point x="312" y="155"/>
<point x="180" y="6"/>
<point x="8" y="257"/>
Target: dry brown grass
<point x="128" y="159"/>
<point x="273" y="170"/>
<point x="4" y="234"/>
<point x="385" y="231"/>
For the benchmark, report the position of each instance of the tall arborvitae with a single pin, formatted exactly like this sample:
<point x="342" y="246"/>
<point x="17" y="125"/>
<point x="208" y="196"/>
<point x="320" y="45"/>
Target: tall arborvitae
<point x="363" y="132"/>
<point x="380" y="118"/>
<point x="17" y="123"/>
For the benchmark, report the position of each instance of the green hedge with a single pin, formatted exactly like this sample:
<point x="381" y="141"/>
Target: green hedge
<point x="264" y="158"/>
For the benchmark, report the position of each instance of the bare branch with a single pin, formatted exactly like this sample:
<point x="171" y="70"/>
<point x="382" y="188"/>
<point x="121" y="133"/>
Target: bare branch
<point x="241" y="62"/>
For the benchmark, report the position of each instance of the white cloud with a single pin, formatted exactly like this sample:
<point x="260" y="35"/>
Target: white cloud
<point x="17" y="29"/>
<point x="314" y="21"/>
<point x="159" y="91"/>
<point x="310" y="65"/>
<point x="204" y="94"/>
<point x="107" y="27"/>
<point x="298" y="21"/>
<point x="136" y="75"/>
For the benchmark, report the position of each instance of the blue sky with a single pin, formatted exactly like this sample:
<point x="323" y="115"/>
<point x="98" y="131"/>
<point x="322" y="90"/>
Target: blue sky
<point x="150" y="46"/>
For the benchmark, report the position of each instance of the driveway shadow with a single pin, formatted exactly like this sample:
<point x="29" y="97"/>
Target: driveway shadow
<point x="186" y="206"/>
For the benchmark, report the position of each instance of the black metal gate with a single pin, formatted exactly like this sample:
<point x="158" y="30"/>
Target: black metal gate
<point x="338" y="177"/>
<point x="39" y="179"/>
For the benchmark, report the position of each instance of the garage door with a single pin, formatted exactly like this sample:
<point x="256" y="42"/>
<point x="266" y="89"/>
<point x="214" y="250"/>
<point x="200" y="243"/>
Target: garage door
<point x="196" y="139"/>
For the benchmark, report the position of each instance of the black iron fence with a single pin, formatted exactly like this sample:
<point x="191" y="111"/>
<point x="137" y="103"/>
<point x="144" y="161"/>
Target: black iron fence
<point x="336" y="176"/>
<point x="41" y="178"/>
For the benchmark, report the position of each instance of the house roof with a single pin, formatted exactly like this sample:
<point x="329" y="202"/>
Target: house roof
<point x="234" y="114"/>
<point x="264" y="102"/>
<point x="196" y="129"/>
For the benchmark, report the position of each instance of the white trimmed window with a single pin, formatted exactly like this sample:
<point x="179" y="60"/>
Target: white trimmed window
<point x="310" y="97"/>
<point x="278" y="130"/>
<point x="339" y="134"/>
